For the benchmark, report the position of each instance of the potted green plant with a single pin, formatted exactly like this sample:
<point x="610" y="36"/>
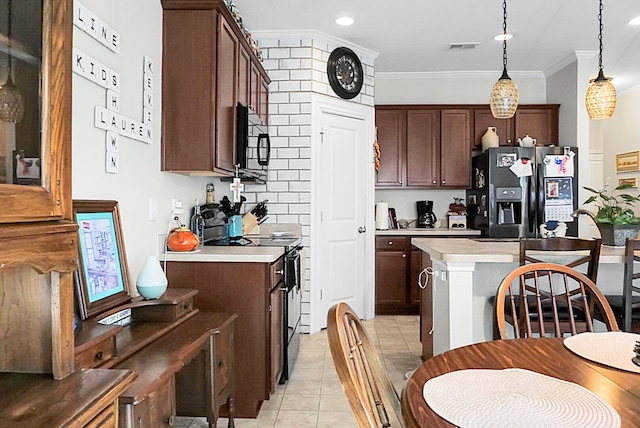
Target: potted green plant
<point x="615" y="216"/>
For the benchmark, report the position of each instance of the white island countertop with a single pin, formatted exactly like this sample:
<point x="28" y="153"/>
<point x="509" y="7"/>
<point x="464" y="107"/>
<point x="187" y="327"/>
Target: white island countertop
<point x="230" y="254"/>
<point x="483" y="250"/>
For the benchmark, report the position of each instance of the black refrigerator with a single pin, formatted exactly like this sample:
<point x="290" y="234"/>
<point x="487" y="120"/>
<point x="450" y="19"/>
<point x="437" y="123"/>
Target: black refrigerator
<point x="516" y="189"/>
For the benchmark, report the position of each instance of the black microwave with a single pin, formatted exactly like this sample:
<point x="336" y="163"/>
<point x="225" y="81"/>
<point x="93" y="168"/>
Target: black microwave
<point x="253" y="147"/>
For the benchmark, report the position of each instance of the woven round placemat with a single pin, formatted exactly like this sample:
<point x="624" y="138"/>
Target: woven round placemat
<point x="515" y="398"/>
<point x="611" y="348"/>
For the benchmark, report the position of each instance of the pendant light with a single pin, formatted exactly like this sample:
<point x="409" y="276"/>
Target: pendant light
<point x="11" y="101"/>
<point x="601" y="94"/>
<point x="504" y="95"/>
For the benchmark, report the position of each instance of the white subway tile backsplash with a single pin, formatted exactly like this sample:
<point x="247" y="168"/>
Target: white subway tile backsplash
<point x="288" y="218"/>
<point x="276" y="164"/>
<point x="269" y="65"/>
<point x="288" y="153"/>
<point x="277" y="75"/>
<point x="289" y="64"/>
<point x="301" y="97"/>
<point x="305" y="153"/>
<point x="277" y="141"/>
<point x="289" y="198"/>
<point x="278" y="98"/>
<point x="288" y="131"/>
<point x="305" y="175"/>
<point x="301" y="119"/>
<point x="278" y="53"/>
<point x="301" y="52"/>
<point x="289" y="86"/>
<point x="278" y="119"/>
<point x="320" y="44"/>
<point x="299" y="163"/>
<point x="320" y="87"/>
<point x="268" y="43"/>
<point x="288" y="175"/>
<point x="289" y="109"/>
<point x="290" y="42"/>
<point x="300" y="74"/>
<point x="276" y="208"/>
<point x="300" y="186"/>
<point x="303" y="141"/>
<point x="297" y="68"/>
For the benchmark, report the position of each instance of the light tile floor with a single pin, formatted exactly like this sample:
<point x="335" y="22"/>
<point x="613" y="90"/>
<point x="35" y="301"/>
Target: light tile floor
<point x="314" y="398"/>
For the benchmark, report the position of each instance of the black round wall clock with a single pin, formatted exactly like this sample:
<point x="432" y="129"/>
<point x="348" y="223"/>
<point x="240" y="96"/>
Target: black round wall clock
<point x="344" y="70"/>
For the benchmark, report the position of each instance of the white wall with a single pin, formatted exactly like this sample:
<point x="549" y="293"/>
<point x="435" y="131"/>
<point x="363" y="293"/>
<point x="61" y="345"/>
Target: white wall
<point x="139" y="24"/>
<point x="621" y="134"/>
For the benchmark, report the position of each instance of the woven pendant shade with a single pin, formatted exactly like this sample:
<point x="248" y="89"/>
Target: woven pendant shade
<point x="601" y="94"/>
<point x="504" y="98"/>
<point x="11" y="103"/>
<point x="504" y="95"/>
<point x="601" y="99"/>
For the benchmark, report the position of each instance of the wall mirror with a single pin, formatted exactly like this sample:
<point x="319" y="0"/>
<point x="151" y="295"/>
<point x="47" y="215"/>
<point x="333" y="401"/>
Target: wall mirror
<point x="20" y="97"/>
<point x="102" y="279"/>
<point x="36" y="41"/>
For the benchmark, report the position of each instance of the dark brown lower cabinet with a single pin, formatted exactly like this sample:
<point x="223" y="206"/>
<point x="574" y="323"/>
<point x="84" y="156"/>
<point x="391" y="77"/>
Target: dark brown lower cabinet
<point x="394" y="276"/>
<point x="245" y="289"/>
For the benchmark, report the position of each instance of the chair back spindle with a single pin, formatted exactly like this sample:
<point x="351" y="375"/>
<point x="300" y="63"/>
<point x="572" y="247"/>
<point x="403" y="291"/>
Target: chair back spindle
<point x="548" y="299"/>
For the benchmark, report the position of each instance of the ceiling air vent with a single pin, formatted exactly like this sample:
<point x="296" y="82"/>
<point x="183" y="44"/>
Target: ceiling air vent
<point x="463" y="46"/>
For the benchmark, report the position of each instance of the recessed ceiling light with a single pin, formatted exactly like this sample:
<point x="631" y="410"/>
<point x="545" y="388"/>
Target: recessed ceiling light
<point x="345" y="20"/>
<point x="635" y="21"/>
<point x="500" y="37"/>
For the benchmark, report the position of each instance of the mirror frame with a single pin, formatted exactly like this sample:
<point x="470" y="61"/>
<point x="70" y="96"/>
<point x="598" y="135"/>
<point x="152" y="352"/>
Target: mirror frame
<point x="52" y="199"/>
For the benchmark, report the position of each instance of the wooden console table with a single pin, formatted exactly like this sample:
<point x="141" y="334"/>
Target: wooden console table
<point x="184" y="360"/>
<point x="85" y="398"/>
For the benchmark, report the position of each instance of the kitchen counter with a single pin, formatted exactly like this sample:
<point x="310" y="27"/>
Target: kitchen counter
<point x="484" y="250"/>
<point x="414" y="231"/>
<point x="466" y="274"/>
<point x="246" y="254"/>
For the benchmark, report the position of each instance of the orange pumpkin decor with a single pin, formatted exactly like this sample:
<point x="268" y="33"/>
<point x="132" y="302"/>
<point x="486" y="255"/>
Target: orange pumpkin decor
<point x="182" y="239"/>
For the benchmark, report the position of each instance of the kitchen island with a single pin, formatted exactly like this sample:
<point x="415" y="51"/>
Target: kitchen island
<point x="467" y="272"/>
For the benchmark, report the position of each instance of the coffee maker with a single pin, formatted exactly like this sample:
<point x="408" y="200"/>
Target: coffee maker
<point x="426" y="217"/>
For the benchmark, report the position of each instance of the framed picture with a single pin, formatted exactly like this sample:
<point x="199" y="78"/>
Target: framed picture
<point x="102" y="279"/>
<point x="632" y="181"/>
<point x="628" y="161"/>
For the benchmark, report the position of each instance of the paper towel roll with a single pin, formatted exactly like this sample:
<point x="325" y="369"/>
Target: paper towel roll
<point x="382" y="216"/>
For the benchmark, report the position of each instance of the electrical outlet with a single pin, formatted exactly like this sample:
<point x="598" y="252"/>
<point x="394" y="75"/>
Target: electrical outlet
<point x="153" y="209"/>
<point x="444" y="275"/>
<point x="176" y="206"/>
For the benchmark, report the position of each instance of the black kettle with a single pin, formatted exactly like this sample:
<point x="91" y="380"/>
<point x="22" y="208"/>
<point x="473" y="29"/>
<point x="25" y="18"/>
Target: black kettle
<point x="426" y="217"/>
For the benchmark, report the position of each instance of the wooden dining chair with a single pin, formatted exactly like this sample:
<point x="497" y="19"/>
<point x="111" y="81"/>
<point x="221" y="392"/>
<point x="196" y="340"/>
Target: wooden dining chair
<point x="534" y="296"/>
<point x="373" y="398"/>
<point x="626" y="306"/>
<point x="586" y="251"/>
<point x="577" y="251"/>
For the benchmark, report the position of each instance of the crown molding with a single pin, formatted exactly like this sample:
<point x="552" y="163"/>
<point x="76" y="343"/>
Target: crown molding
<point x="485" y="74"/>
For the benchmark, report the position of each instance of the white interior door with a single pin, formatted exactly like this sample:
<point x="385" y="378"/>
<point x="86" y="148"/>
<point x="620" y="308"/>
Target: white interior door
<point x="343" y="250"/>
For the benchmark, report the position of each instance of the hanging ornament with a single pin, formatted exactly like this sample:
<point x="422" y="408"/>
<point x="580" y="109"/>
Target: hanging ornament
<point x="376" y="150"/>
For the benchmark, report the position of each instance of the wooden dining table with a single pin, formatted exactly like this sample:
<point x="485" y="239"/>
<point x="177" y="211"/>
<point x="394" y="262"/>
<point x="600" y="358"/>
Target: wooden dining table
<point x="548" y="356"/>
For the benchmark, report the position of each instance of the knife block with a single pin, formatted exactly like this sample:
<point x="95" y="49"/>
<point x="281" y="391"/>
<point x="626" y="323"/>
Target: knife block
<point x="250" y="224"/>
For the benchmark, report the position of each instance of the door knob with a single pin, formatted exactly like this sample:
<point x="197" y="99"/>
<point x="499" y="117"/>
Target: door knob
<point x="362" y="229"/>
